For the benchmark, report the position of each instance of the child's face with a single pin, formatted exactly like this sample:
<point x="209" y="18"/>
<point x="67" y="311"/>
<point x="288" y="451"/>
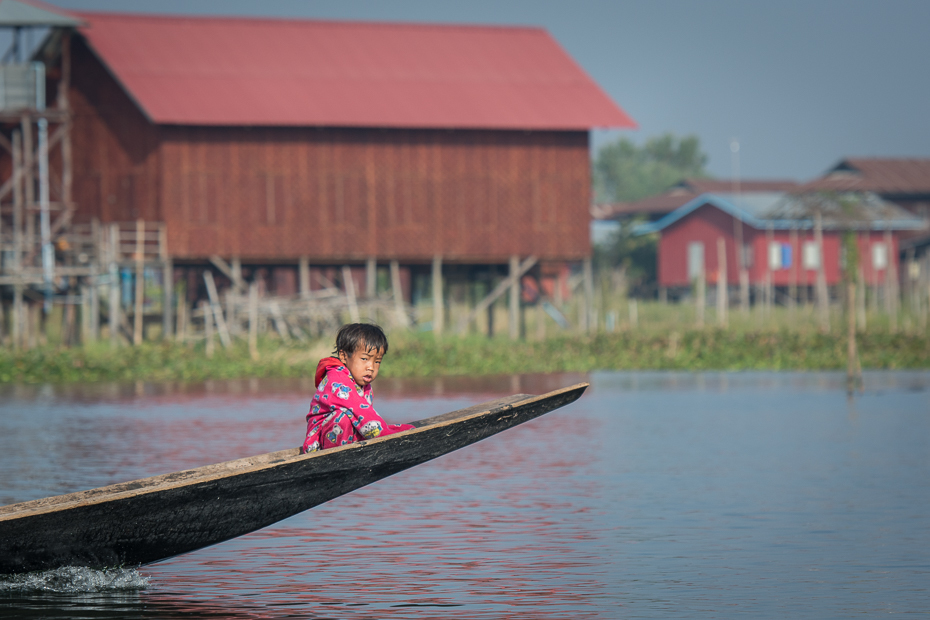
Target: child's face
<point x="363" y="364"/>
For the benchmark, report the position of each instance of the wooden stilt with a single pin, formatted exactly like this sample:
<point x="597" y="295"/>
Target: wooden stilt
<point x="438" y="312"/>
<point x="700" y="298"/>
<point x="216" y="309"/>
<point x="501" y="288"/>
<point x="513" y="322"/>
<point x="823" y="295"/>
<point x="397" y="293"/>
<point x="167" y="283"/>
<point x="371" y="277"/>
<point x="253" y="320"/>
<point x="349" y="284"/>
<point x="303" y="269"/>
<point x="19" y="317"/>
<point x="140" y="284"/>
<point x="114" y="319"/>
<point x="590" y="324"/>
<point x="722" y="292"/>
<point x="207" y="327"/>
<point x="86" y="320"/>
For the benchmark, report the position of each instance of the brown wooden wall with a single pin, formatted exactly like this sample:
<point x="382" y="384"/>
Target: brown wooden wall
<point x="274" y="194"/>
<point x="116" y="149"/>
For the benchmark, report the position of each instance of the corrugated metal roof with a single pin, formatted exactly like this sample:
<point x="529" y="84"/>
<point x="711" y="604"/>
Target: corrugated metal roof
<point x="683" y="193"/>
<point x="239" y="71"/>
<point x="784" y="211"/>
<point x="879" y="175"/>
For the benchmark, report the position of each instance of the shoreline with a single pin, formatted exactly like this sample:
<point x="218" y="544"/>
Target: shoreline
<point x="422" y="355"/>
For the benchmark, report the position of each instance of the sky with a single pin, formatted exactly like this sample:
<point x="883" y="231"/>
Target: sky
<point x="800" y="84"/>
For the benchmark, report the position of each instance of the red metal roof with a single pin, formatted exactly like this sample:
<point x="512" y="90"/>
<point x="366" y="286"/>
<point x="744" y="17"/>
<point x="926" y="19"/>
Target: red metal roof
<point x="879" y="175"/>
<point x="244" y="71"/>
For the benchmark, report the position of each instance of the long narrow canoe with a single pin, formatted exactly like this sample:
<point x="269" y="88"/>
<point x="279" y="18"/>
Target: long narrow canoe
<point x="152" y="519"/>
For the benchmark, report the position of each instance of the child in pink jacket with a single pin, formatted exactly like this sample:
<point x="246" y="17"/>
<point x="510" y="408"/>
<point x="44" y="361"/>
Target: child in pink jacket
<point x="341" y="412"/>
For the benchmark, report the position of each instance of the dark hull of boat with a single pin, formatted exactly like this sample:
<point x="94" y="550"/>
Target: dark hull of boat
<point x="156" y="518"/>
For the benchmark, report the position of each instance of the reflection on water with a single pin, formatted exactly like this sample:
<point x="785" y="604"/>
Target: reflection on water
<point x="656" y="495"/>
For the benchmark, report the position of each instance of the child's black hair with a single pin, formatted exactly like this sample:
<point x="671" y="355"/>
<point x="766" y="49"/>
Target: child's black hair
<point x="354" y="336"/>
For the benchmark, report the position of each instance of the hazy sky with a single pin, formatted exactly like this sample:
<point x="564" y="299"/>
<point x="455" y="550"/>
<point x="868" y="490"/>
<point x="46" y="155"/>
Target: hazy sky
<point x="800" y="83"/>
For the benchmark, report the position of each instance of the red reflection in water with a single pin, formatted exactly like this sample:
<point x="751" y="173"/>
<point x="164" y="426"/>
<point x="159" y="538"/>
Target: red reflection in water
<point x="498" y="530"/>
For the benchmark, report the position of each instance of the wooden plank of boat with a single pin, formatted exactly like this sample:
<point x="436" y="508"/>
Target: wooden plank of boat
<point x="143" y="521"/>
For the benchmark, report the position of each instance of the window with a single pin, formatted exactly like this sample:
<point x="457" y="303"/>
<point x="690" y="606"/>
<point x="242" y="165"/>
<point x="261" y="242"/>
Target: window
<point x="779" y="255"/>
<point x="811" y="255"/>
<point x="879" y="256"/>
<point x="695" y="260"/>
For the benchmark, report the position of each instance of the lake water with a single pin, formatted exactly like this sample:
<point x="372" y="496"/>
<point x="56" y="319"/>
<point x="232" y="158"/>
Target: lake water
<point x="657" y="495"/>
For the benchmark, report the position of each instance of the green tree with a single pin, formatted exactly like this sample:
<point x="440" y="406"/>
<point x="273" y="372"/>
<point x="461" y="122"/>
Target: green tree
<point x="624" y="171"/>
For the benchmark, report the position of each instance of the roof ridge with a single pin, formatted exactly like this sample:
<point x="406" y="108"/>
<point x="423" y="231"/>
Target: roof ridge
<point x="305" y="20"/>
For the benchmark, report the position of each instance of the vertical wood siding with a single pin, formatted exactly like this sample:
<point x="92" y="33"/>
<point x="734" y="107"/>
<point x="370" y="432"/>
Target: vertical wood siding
<point x="275" y="193"/>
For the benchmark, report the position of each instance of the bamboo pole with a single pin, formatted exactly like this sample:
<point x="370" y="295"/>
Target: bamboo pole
<point x="167" y="282"/>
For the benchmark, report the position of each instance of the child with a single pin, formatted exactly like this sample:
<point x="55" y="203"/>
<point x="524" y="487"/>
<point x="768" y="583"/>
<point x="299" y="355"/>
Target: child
<point x="341" y="412"/>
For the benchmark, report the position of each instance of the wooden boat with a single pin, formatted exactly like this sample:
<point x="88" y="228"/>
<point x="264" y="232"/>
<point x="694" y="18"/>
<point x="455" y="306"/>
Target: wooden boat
<point x="152" y="519"/>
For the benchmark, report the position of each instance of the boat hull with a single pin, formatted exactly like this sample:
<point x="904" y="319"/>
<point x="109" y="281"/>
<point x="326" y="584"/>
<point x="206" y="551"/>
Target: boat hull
<point x="156" y="518"/>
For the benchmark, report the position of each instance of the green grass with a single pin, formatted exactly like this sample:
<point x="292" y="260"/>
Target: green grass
<point x="423" y="355"/>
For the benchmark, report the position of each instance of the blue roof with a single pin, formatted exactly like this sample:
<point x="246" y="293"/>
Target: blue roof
<point x="785" y="211"/>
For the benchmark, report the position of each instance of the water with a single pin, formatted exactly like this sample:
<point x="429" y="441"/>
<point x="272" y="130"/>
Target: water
<point x="657" y="495"/>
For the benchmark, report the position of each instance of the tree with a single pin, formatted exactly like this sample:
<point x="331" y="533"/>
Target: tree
<point x="626" y="172"/>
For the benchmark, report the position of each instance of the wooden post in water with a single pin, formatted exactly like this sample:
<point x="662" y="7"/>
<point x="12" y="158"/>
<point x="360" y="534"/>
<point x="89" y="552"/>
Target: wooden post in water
<point x="438" y="311"/>
<point x="513" y="317"/>
<point x="722" y="294"/>
<point x="140" y="283"/>
<point x="853" y="367"/>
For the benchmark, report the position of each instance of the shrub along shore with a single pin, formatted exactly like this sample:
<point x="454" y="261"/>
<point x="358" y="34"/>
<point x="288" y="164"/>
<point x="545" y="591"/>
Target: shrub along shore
<point x="419" y="355"/>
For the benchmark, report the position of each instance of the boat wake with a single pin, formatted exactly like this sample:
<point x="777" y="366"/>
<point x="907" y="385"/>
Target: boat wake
<point x="75" y="579"/>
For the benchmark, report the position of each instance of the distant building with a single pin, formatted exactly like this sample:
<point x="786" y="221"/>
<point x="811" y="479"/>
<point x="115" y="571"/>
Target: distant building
<point x="903" y="181"/>
<point x="778" y="244"/>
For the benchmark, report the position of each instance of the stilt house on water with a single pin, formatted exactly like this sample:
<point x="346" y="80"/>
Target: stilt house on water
<point x="305" y="158"/>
